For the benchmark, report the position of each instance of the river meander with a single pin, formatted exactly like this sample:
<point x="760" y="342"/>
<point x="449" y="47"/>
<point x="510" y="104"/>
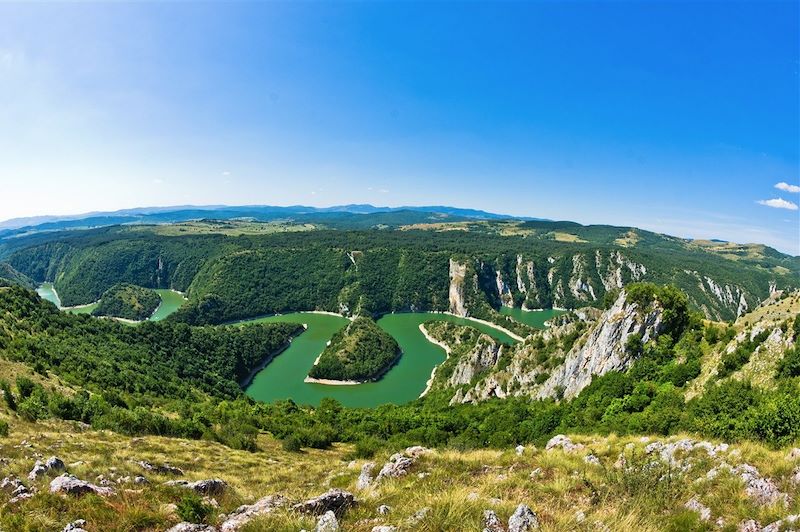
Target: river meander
<point x="283" y="377"/>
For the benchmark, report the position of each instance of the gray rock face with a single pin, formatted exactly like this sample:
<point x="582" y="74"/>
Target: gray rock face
<point x="604" y="349"/>
<point x="484" y="355"/>
<point x="365" y="477"/>
<point x="210" y="486"/>
<point x="384" y="528"/>
<point x="456" y="292"/>
<point x="245" y="513"/>
<point x="384" y="510"/>
<point x="492" y="523"/>
<point x="327" y="523"/>
<point x="70" y="485"/>
<point x="335" y="500"/>
<point x="523" y="520"/>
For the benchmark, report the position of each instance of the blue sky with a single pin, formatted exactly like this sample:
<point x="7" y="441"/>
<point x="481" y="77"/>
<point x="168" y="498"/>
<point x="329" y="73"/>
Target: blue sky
<point x="678" y="117"/>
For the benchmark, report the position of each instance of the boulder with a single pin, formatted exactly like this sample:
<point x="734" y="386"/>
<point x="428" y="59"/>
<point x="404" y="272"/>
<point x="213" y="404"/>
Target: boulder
<point x="523" y="520"/>
<point x="242" y="515"/>
<point x="383" y="509"/>
<point x="210" y="486"/>
<point x="365" y="477"/>
<point x="191" y="527"/>
<point x="163" y="469"/>
<point x="519" y="449"/>
<point x="492" y="523"/>
<point x="696" y="506"/>
<point x="384" y="528"/>
<point x="335" y="500"/>
<point x="70" y="485"/>
<point x="397" y="466"/>
<point x="75" y="526"/>
<point x="564" y="443"/>
<point x="55" y="463"/>
<point x="327" y="523"/>
<point x="39" y="469"/>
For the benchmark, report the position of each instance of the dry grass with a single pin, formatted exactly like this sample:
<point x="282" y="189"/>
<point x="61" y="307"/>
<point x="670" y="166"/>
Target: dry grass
<point x="567" y="493"/>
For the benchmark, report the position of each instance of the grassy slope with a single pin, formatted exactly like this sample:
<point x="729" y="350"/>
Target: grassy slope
<point x="760" y="370"/>
<point x="456" y="486"/>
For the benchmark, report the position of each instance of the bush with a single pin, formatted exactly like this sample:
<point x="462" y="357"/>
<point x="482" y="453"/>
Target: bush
<point x="3" y="428"/>
<point x="292" y="444"/>
<point x="191" y="508"/>
<point x="25" y="387"/>
<point x="8" y="396"/>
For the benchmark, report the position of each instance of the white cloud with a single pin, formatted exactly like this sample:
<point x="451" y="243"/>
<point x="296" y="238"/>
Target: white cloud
<point x="787" y="187"/>
<point x="226" y="173"/>
<point x="778" y="203"/>
<point x="158" y="181"/>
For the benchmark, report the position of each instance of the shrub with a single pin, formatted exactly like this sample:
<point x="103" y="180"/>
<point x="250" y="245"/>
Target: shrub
<point x="292" y="444"/>
<point x="25" y="387"/>
<point x="8" y="396"/>
<point x="191" y="508"/>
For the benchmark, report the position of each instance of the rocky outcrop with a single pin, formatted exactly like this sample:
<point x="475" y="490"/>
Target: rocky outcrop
<point x="67" y="484"/>
<point x="482" y="356"/>
<point x="211" y="486"/>
<point x="365" y="477"/>
<point x="52" y="464"/>
<point x="163" y="469"/>
<point x="400" y="464"/>
<point x="458" y="273"/>
<point x="523" y="520"/>
<point x="247" y="512"/>
<point x="503" y="290"/>
<point x="327" y="523"/>
<point x="192" y="527"/>
<point x="604" y="349"/>
<point x="492" y="523"/>
<point x="334" y="500"/>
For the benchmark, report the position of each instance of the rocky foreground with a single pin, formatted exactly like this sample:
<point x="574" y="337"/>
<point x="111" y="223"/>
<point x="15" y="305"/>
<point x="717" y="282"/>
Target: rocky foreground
<point x="66" y="478"/>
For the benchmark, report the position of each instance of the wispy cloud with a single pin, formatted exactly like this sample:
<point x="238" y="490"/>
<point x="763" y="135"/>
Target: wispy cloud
<point x="158" y="181"/>
<point x="778" y="203"/>
<point x="787" y="187"/>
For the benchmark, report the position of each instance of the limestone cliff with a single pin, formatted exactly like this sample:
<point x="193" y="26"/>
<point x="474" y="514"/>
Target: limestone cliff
<point x="458" y="272"/>
<point x="532" y="371"/>
<point x="604" y="347"/>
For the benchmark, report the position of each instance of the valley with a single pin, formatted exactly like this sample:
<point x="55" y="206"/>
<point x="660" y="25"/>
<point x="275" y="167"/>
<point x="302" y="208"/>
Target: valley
<point x="656" y="340"/>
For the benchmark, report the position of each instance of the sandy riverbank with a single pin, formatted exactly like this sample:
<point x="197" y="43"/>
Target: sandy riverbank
<point x="331" y="382"/>
<point x="487" y="323"/>
<point x="444" y="346"/>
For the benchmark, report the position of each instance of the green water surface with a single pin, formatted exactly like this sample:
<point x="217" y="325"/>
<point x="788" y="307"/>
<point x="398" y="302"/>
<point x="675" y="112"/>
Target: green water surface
<point x="170" y="302"/>
<point x="283" y="377"/>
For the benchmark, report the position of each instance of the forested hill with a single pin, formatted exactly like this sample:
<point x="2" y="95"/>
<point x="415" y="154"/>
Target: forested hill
<point x="234" y="270"/>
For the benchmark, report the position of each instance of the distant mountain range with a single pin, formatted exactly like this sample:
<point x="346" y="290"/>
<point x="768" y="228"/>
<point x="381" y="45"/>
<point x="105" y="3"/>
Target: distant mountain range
<point x="183" y="213"/>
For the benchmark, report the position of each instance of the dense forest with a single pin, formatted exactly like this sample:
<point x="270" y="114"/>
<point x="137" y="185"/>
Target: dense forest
<point x="187" y="376"/>
<point x="361" y="351"/>
<point x="128" y="301"/>
<point x="535" y="264"/>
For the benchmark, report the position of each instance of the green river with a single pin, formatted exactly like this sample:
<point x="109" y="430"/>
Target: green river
<point x="283" y="377"/>
<point x="170" y="302"/>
